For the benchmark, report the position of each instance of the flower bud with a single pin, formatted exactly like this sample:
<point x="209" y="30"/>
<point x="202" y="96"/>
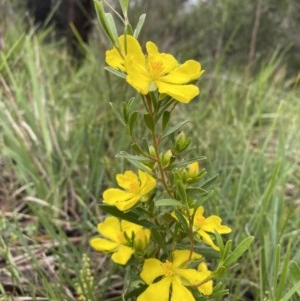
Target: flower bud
<point x="181" y="142"/>
<point x="193" y="170"/>
<point x="166" y="158"/>
<point x="141" y="240"/>
<point x="152" y="151"/>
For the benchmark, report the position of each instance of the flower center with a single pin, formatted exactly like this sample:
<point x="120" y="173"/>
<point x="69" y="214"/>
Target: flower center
<point x="134" y="186"/>
<point x="121" y="238"/>
<point x="168" y="268"/>
<point x="156" y="69"/>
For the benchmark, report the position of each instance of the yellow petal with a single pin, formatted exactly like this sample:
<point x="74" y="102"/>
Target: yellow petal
<point x="130" y="228"/>
<point x="185" y="73"/>
<point x="166" y="61"/>
<point x="207" y="287"/>
<point x="180" y="293"/>
<point x="213" y="223"/>
<point x="207" y="239"/>
<point x="138" y="76"/>
<point x="114" y="59"/>
<point x="127" y="180"/>
<point x="181" y="257"/>
<point x="122" y="255"/>
<point x="131" y="46"/>
<point x="152" y="269"/>
<point x="147" y="182"/>
<point x="103" y="245"/>
<point x="199" y="212"/>
<point x="123" y="200"/>
<point x="128" y="45"/>
<point x="110" y="228"/>
<point x="123" y="206"/>
<point x="114" y="195"/>
<point x="191" y="275"/>
<point x="182" y="93"/>
<point x="158" y="291"/>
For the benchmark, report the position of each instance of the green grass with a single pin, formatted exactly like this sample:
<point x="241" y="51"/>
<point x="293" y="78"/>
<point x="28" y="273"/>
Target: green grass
<point x="58" y="140"/>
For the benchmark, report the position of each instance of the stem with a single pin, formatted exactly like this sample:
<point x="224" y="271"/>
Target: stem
<point x="155" y="139"/>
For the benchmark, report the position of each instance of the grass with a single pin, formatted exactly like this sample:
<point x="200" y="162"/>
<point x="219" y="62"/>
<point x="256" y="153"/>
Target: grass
<point x="58" y="140"/>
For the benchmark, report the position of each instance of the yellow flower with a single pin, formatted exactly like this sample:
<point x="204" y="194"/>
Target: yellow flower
<point x="135" y="188"/>
<point x="173" y="277"/>
<point x="203" y="226"/>
<point x="155" y="71"/>
<point x="120" y="239"/>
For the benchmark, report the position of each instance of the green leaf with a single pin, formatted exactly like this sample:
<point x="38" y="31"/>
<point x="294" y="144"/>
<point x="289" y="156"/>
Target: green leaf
<point x="220" y="243"/>
<point x="168" y="202"/>
<point x="137" y="149"/>
<point x="115" y="72"/>
<point x="291" y="292"/>
<point x="149" y="122"/>
<point x="239" y="251"/>
<point x="294" y="271"/>
<point x="182" y="221"/>
<point x="137" y="161"/>
<point x="124" y="6"/>
<point x="185" y="163"/>
<point x="128" y="216"/>
<point x="165" y="119"/>
<point x="117" y="113"/>
<point x="107" y="23"/>
<point x="132" y="122"/>
<point x="139" y="25"/>
<point x="159" y="239"/>
<point x="174" y="128"/>
<point x="128" y="30"/>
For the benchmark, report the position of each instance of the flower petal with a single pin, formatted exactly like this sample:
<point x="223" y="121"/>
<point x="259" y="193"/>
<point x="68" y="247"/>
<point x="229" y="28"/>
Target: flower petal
<point x="165" y="60"/>
<point x="207" y="287"/>
<point x="208" y="240"/>
<point x="137" y="76"/>
<point x="103" y="245"/>
<point x="181" y="257"/>
<point x="114" y="59"/>
<point x="180" y="292"/>
<point x="213" y="223"/>
<point x="182" y="93"/>
<point x="114" y="195"/>
<point x="191" y="275"/>
<point x="128" y="45"/>
<point x="147" y="182"/>
<point x="122" y="255"/>
<point x="123" y="200"/>
<point x="130" y="228"/>
<point x="158" y="291"/>
<point x="152" y="269"/>
<point x="110" y="228"/>
<point x="185" y="73"/>
<point x="127" y="180"/>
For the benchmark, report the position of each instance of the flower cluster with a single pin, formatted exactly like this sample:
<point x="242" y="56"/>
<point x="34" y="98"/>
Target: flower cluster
<point x="154" y="71"/>
<point x="156" y="223"/>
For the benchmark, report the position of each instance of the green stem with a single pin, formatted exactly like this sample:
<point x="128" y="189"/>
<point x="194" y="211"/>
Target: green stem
<point x="155" y="139"/>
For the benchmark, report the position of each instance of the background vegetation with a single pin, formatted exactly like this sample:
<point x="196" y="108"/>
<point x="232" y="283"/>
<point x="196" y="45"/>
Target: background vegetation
<point x="59" y="137"/>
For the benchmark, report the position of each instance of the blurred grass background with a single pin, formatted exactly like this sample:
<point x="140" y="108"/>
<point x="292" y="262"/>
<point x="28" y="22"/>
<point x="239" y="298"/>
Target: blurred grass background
<point x="59" y="137"/>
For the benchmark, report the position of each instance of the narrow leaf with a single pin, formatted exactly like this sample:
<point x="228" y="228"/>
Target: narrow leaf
<point x="139" y="25"/>
<point x="174" y="128"/>
<point x="239" y="251"/>
<point x="168" y="202"/>
<point x="128" y="216"/>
